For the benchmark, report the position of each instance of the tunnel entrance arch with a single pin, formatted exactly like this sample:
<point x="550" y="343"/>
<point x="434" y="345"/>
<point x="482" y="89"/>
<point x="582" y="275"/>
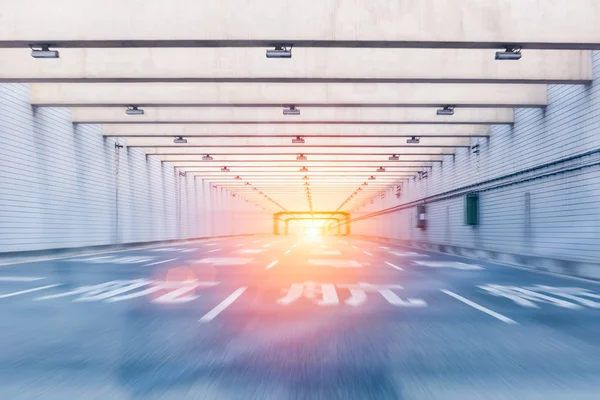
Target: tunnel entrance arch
<point x="340" y="217"/>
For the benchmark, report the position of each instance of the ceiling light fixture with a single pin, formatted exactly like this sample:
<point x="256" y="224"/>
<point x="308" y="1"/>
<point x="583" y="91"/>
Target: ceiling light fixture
<point x="301" y="157"/>
<point x="305" y="177"/>
<point x="394" y="158"/>
<point x="413" y="140"/>
<point x="447" y="110"/>
<point x="511" y="53"/>
<point x="179" y="140"/>
<point x="44" y="52"/>
<point x="225" y="169"/>
<point x="134" y="110"/>
<point x="372" y="177"/>
<point x="207" y="158"/>
<point x="381" y="169"/>
<point x="303" y="169"/>
<point x="237" y="177"/>
<point x="280" y="52"/>
<point x="298" y="140"/>
<point x="291" y="110"/>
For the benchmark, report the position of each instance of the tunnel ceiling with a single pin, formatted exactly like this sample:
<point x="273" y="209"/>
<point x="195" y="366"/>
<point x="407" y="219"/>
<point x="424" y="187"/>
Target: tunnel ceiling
<point x="353" y="112"/>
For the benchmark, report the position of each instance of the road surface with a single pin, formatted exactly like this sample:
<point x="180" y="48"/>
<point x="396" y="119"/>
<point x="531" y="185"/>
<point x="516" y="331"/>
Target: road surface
<point x="294" y="318"/>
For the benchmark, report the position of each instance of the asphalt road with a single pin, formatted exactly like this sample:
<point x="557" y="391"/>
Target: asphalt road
<point x="294" y="318"/>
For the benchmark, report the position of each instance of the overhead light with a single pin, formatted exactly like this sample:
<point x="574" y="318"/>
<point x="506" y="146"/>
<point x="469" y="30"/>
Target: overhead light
<point x="178" y="139"/>
<point x="238" y="177"/>
<point x="447" y="110"/>
<point x="280" y="52"/>
<point x="134" y="110"/>
<point x="298" y="140"/>
<point x="380" y="169"/>
<point x="413" y="140"/>
<point x="511" y="53"/>
<point x="365" y="184"/>
<point x="306" y="183"/>
<point x="207" y="158"/>
<point x="303" y="169"/>
<point x="247" y="183"/>
<point x="372" y="177"/>
<point x="305" y="177"/>
<point x="225" y="169"/>
<point x="301" y="157"/>
<point x="291" y="110"/>
<point x="44" y="52"/>
<point x="394" y="158"/>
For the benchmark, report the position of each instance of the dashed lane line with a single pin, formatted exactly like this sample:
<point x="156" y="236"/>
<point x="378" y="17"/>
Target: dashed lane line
<point x="272" y="264"/>
<point x="394" y="266"/>
<point x="4" y="296"/>
<point x="160" y="262"/>
<point x="367" y="253"/>
<point x="223" y="305"/>
<point x="287" y="252"/>
<point x="212" y="251"/>
<point x="479" y="307"/>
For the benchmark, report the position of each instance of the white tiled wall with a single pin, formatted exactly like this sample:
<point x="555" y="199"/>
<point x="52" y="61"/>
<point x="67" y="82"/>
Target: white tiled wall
<point x="58" y="187"/>
<point x="565" y="208"/>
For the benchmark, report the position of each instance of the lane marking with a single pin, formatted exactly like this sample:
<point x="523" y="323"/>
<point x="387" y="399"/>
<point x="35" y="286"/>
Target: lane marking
<point x="267" y="245"/>
<point x="336" y="263"/>
<point x="287" y="252"/>
<point x="250" y="251"/>
<point x="383" y="247"/>
<point x="212" y="251"/>
<point x="367" y="253"/>
<point x="224" y="261"/>
<point x="211" y="244"/>
<point x="353" y="246"/>
<point x="255" y="241"/>
<point x="160" y="262"/>
<point x="239" y="245"/>
<point x="20" y="278"/>
<point x="272" y="264"/>
<point x="3" y="296"/>
<point x="223" y="305"/>
<point x="394" y="266"/>
<point x="407" y="254"/>
<point x="294" y="246"/>
<point x="448" y="264"/>
<point x="187" y="250"/>
<point x="326" y="253"/>
<point x="479" y="307"/>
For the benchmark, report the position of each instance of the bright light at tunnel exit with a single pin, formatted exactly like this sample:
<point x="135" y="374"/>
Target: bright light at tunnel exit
<point x="312" y="232"/>
<point x="312" y="228"/>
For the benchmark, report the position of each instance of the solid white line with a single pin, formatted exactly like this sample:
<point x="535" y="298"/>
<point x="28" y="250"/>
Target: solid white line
<point x="366" y="252"/>
<point x="160" y="262"/>
<point x="212" y="251"/>
<point x="3" y="296"/>
<point x="394" y="266"/>
<point x="287" y="252"/>
<point x="272" y="264"/>
<point x="223" y="305"/>
<point x="20" y="278"/>
<point x="480" y="308"/>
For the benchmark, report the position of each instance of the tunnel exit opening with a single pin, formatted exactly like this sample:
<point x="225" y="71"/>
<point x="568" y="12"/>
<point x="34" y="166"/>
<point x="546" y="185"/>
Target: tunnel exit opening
<point x="317" y="222"/>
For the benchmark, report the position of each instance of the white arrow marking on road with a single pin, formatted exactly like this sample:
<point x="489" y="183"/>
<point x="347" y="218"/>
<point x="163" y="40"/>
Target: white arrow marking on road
<point x="20" y="278"/>
<point x="448" y="264"/>
<point x="224" y="261"/>
<point x="223" y="305"/>
<point x="337" y="263"/>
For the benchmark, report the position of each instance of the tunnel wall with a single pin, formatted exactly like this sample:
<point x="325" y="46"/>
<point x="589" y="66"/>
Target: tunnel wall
<point x="538" y="182"/>
<point x="64" y="185"/>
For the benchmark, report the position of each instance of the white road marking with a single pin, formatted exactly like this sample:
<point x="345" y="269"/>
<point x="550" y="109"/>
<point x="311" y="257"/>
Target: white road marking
<point x="250" y="251"/>
<point x="211" y="244"/>
<point x="239" y="245"/>
<point x="394" y="266"/>
<point x="255" y="241"/>
<point x="223" y="305"/>
<point x="3" y="296"/>
<point x="337" y="263"/>
<point x="212" y="251"/>
<point x="354" y="247"/>
<point x="407" y="254"/>
<point x="160" y="262"/>
<point x="294" y="246"/>
<point x="187" y="250"/>
<point x="345" y="242"/>
<point x="326" y="253"/>
<point x="267" y="245"/>
<point x="448" y="264"/>
<point x="272" y="264"/>
<point x="367" y="253"/>
<point x="383" y="247"/>
<point x="224" y="261"/>
<point x="20" y="278"/>
<point x="324" y="246"/>
<point x="479" y="307"/>
<point x="287" y="252"/>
